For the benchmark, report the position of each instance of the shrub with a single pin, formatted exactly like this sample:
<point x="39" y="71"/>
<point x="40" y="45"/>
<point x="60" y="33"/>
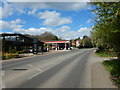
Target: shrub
<point x="10" y="55"/>
<point x="23" y="51"/>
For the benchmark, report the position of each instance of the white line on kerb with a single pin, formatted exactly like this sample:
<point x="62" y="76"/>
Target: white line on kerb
<point x="43" y="71"/>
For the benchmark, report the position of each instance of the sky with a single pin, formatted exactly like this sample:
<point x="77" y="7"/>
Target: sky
<point x="67" y="20"/>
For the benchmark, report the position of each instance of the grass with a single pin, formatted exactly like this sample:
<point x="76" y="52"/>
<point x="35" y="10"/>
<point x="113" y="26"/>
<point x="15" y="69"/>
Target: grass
<point x="105" y="54"/>
<point x="113" y="66"/>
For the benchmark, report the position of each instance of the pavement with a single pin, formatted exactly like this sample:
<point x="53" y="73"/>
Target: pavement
<point x="99" y="75"/>
<point x="71" y="69"/>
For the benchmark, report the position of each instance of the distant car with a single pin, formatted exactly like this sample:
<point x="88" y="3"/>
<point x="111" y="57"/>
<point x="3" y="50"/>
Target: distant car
<point x="44" y="50"/>
<point x="71" y="48"/>
<point x="61" y="48"/>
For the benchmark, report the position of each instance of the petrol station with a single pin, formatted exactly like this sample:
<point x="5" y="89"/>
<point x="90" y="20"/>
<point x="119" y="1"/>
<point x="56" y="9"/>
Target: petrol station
<point x="58" y="45"/>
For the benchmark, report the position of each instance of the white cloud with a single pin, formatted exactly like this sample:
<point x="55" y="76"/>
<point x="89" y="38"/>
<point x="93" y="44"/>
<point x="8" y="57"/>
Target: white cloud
<point x="88" y="21"/>
<point x="37" y="31"/>
<point x="84" y="31"/>
<point x="32" y="31"/>
<point x="74" y="6"/>
<point x="69" y="34"/>
<point x="17" y="21"/>
<point x="32" y="12"/>
<point x="64" y="28"/>
<point x="53" y="18"/>
<point x="49" y="0"/>
<point x="11" y="24"/>
<point x="6" y="10"/>
<point x="10" y="8"/>
<point x="63" y="32"/>
<point x="20" y="10"/>
<point x="0" y="12"/>
<point x="81" y="25"/>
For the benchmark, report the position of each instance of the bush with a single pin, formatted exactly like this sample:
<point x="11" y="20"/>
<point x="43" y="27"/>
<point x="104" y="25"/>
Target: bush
<point x="10" y="55"/>
<point x="23" y="51"/>
<point x="14" y="55"/>
<point x="80" y="46"/>
<point x="12" y="50"/>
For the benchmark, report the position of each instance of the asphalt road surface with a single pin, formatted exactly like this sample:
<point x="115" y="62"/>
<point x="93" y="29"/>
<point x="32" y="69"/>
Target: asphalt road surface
<point x="68" y="69"/>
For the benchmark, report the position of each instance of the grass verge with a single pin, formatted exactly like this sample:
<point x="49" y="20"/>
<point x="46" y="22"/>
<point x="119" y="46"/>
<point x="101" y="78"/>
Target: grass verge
<point x="113" y="66"/>
<point x="105" y="54"/>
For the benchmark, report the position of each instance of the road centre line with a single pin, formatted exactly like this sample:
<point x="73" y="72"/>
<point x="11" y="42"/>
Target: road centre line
<point x="46" y="69"/>
<point x="34" y="67"/>
<point x="43" y="71"/>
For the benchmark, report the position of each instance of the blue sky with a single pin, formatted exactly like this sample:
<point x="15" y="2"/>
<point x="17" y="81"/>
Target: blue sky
<point x="67" y="20"/>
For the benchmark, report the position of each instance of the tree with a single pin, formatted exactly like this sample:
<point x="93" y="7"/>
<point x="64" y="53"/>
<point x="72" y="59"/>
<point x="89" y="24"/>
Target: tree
<point x="86" y="42"/>
<point x="77" y="38"/>
<point x="47" y="36"/>
<point x="106" y="31"/>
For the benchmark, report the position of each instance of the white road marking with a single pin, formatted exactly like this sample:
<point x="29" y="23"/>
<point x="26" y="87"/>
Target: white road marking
<point x="3" y="85"/>
<point x="2" y="82"/>
<point x="43" y="71"/>
<point x="3" y="73"/>
<point x="34" y="67"/>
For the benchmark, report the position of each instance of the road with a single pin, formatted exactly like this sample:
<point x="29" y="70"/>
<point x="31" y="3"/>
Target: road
<point x="68" y="69"/>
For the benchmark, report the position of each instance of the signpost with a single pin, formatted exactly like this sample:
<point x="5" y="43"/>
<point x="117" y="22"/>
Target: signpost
<point x="35" y="47"/>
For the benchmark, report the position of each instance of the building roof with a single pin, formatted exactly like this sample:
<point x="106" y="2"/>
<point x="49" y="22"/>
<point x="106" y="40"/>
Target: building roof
<point x="57" y="42"/>
<point x="14" y="34"/>
<point x="33" y="40"/>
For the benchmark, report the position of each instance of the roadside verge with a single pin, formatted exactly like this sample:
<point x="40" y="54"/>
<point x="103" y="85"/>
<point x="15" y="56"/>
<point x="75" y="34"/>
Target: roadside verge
<point x="112" y="66"/>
